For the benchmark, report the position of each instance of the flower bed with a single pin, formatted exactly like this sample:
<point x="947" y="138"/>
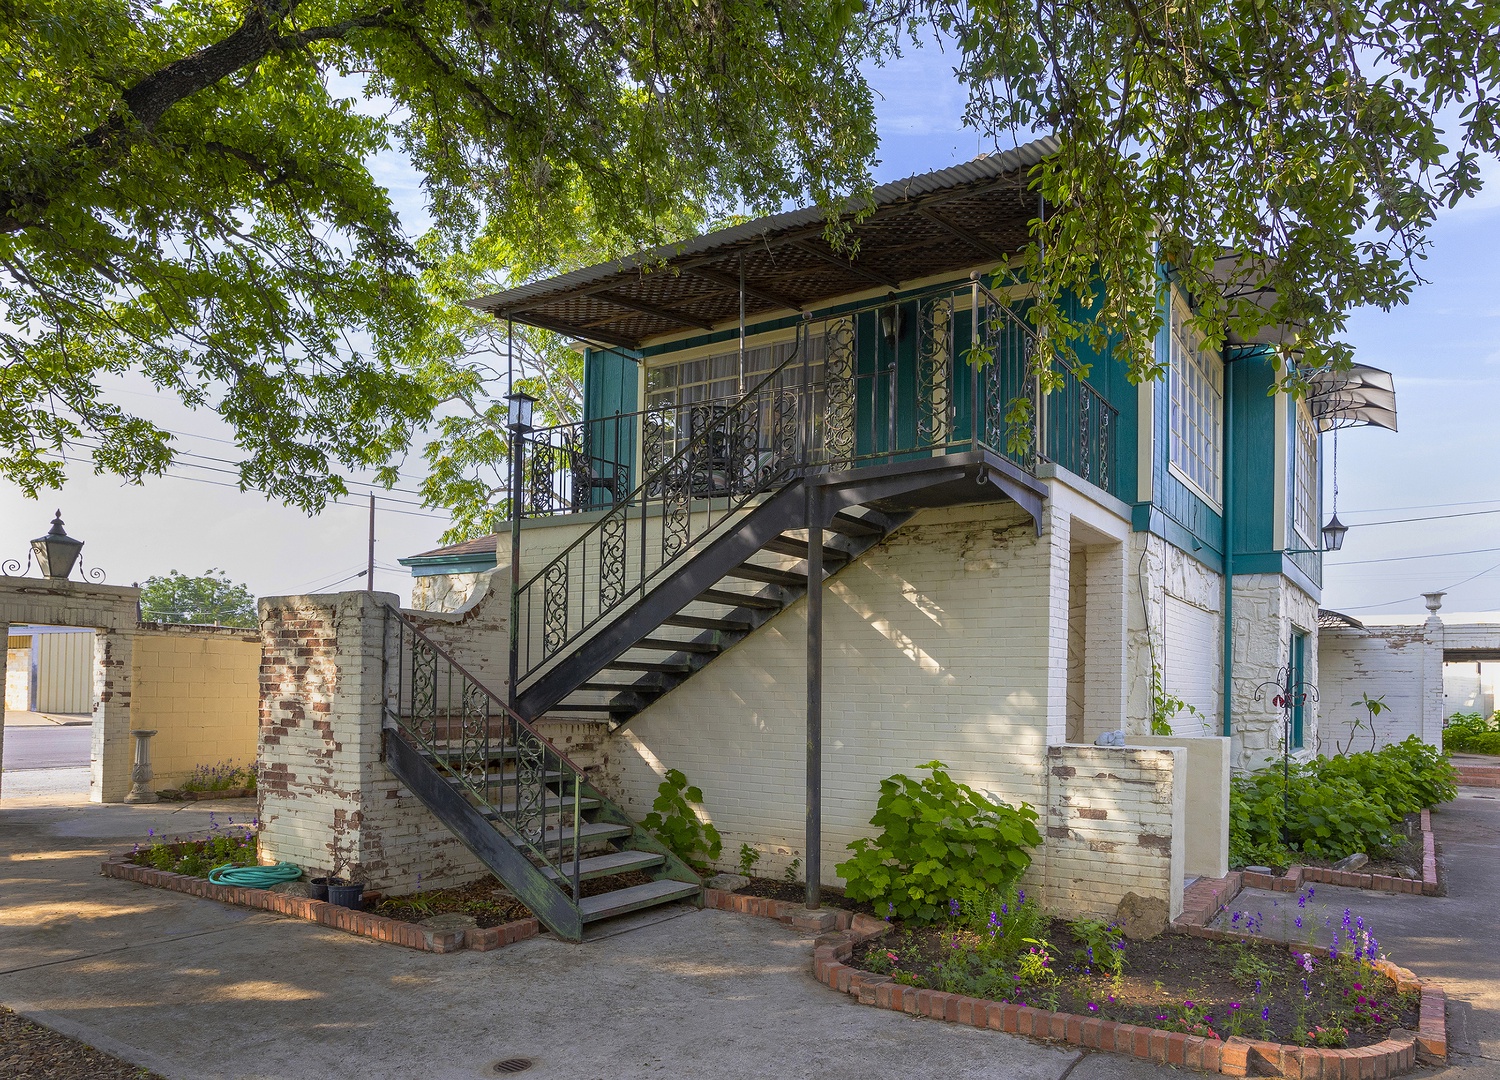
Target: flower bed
<point x="1237" y="1055"/>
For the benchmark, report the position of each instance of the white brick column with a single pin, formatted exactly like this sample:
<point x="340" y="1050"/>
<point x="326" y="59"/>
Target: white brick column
<point x="1433" y="635"/>
<point x="1106" y="596"/>
<point x="112" y="750"/>
<point x="4" y="635"/>
<point x="327" y="801"/>
<point x="1056" y="541"/>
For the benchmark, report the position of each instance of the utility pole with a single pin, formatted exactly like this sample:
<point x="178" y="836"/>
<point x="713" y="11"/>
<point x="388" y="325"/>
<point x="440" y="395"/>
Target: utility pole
<point x="370" y="565"/>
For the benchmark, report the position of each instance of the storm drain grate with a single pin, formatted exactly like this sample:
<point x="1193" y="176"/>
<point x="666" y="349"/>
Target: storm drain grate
<point x="513" y="1065"/>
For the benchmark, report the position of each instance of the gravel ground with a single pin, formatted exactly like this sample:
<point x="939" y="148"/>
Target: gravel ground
<point x="31" y="1052"/>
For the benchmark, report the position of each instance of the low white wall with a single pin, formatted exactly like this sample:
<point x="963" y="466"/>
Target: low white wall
<point x="1206" y="768"/>
<point x="1400" y="664"/>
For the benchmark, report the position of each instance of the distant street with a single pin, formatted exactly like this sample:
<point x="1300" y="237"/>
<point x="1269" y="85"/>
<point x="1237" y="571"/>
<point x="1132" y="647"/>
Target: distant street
<point x="46" y="747"/>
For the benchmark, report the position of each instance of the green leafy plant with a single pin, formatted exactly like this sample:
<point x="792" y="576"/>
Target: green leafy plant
<point x="1001" y="919"/>
<point x="1102" y="946"/>
<point x="674" y="822"/>
<point x="1034" y="966"/>
<point x="791" y="870"/>
<point x="1471" y="733"/>
<point x="1373" y="707"/>
<point x="938" y="840"/>
<point x="1333" y="807"/>
<point x="223" y="776"/>
<point x="748" y="858"/>
<point x="1166" y="707"/>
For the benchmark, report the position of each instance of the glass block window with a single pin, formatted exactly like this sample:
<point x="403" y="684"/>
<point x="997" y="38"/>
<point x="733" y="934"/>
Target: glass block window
<point x="1305" y="479"/>
<point x="1197" y="389"/>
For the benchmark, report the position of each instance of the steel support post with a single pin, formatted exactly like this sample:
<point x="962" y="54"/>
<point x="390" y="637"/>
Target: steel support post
<point x="515" y="566"/>
<point x="814" y="842"/>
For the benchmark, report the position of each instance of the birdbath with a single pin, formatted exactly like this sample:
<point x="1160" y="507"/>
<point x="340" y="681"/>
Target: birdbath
<point x="140" y="772"/>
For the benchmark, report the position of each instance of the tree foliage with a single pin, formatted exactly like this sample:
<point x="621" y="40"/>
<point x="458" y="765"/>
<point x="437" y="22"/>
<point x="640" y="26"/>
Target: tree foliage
<point x="189" y="190"/>
<point x="209" y="599"/>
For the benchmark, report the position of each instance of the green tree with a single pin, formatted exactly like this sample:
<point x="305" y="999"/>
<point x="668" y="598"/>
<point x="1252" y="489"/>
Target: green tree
<point x="188" y="192"/>
<point x="209" y="599"/>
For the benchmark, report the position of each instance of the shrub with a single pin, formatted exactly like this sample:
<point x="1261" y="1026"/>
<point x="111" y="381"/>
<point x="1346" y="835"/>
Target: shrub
<point x="939" y="840"/>
<point x="1334" y="806"/>
<point x="223" y="776"/>
<point x="677" y="825"/>
<point x="1471" y="733"/>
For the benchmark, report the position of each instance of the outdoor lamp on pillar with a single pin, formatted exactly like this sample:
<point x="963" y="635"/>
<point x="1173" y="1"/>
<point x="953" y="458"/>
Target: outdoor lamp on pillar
<point x="1333" y="533"/>
<point x="57" y="551"/>
<point x="519" y="408"/>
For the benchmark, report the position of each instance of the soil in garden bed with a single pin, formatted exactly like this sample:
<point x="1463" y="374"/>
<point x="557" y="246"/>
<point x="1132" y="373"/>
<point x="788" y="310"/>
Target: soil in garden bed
<point x="1403" y="859"/>
<point x="29" y="1051"/>
<point x="795" y="892"/>
<point x="490" y="903"/>
<point x="1160" y="978"/>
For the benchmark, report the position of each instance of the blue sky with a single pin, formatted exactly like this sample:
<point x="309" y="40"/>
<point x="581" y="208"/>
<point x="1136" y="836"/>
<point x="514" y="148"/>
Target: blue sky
<point x="1444" y="350"/>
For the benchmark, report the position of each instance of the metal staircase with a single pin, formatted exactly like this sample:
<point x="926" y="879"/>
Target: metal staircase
<point x="515" y="800"/>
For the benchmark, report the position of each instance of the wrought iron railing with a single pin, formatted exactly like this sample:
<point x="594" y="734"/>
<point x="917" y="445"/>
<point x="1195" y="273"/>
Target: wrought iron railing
<point x="506" y="769"/>
<point x="913" y="391"/>
<point x="729" y="454"/>
<point x="577" y="467"/>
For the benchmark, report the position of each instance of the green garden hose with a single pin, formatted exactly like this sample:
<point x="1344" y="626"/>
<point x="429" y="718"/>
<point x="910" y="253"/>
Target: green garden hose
<point x="254" y="877"/>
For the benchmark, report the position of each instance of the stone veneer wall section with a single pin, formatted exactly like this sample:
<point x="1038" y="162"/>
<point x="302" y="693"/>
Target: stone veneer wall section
<point x="327" y="801"/>
<point x="1267" y="608"/>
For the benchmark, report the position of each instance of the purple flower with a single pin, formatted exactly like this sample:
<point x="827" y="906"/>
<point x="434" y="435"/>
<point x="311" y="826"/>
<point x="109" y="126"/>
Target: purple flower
<point x="1265" y="1014"/>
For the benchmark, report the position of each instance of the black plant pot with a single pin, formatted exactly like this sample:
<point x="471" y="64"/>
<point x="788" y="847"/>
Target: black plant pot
<point x="348" y="896"/>
<point x="319" y="886"/>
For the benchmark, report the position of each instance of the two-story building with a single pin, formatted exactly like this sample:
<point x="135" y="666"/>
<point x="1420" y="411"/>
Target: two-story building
<point x="799" y="541"/>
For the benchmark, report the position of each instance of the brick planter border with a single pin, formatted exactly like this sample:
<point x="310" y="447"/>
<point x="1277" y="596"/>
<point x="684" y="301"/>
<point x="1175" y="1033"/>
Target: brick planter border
<point x="1236" y="1056"/>
<point x="359" y="923"/>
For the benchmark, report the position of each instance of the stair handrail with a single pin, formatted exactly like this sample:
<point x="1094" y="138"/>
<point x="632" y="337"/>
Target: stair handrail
<point x="652" y="482"/>
<point x="464" y="773"/>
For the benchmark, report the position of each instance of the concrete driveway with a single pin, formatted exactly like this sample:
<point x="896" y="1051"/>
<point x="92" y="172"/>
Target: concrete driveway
<point x="195" y="989"/>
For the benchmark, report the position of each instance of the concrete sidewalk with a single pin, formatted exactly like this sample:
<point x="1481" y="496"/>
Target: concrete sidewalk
<point x="195" y="989"/>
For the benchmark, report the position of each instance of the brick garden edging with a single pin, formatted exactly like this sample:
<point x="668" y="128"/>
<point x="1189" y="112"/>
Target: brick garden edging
<point x="360" y="923"/>
<point x="1236" y="1056"/>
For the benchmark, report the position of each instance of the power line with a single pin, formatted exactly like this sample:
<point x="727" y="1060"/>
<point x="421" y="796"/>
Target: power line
<point x="1425" y="517"/>
<point x="1408" y="558"/>
<point x="1421" y="506"/>
<point x="1447" y="588"/>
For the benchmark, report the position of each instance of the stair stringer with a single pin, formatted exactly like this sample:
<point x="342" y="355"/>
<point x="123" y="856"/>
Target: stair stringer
<point x="784" y="510"/>
<point x="855" y="548"/>
<point x="490" y="846"/>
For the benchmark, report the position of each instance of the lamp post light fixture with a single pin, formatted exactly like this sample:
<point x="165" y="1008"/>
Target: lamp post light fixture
<point x="1333" y="533"/>
<point x="57" y="551"/>
<point x="518" y="414"/>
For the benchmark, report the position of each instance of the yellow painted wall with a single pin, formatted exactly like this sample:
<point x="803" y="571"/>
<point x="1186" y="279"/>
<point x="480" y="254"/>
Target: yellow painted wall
<point x="199" y="688"/>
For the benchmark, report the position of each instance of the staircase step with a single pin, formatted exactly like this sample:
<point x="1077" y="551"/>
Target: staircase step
<point x="700" y="622"/>
<point x="647" y="665"/>
<point x="593" y="832"/>
<point x="620" y="901"/>
<point x="733" y="599"/>
<point x="850" y="525"/>
<point x="645" y="686"/>
<point x="554" y="803"/>
<point x="790" y="545"/>
<point x="587" y="706"/>
<point x="615" y="862"/>
<point x="668" y="645"/>
<point x="494" y="778"/>
<point x="755" y="572"/>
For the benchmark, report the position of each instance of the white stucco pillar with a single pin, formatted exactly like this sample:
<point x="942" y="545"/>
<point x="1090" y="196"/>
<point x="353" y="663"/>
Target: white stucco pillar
<point x="1106" y="599"/>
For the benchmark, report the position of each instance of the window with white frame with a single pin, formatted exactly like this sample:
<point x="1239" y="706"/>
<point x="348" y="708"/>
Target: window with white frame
<point x="716" y="378"/>
<point x="1196" y="379"/>
<point x="1305" y="478"/>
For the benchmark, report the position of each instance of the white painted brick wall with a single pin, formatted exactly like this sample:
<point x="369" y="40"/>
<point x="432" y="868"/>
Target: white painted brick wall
<point x="1400" y="664"/>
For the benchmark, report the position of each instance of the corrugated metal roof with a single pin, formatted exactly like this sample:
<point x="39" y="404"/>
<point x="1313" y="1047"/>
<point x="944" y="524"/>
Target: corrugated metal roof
<point x="727" y="243"/>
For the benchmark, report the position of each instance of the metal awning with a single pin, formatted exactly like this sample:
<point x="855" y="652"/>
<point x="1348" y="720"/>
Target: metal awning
<point x="935" y="223"/>
<point x="1358" y="396"/>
